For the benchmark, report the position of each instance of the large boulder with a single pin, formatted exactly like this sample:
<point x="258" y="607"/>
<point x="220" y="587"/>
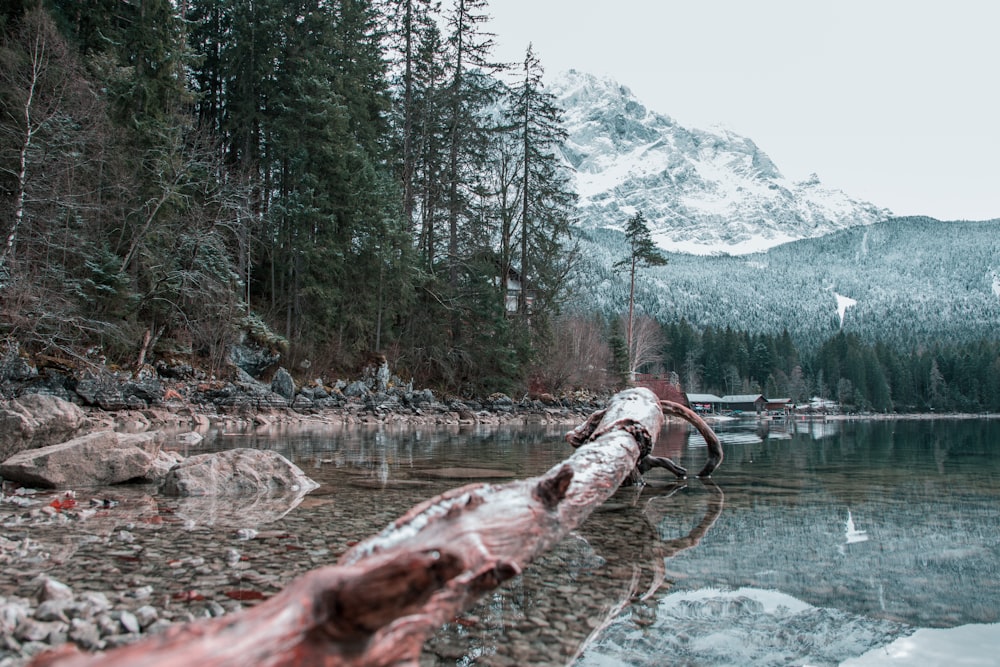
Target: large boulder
<point x="236" y="472"/>
<point x="37" y="420"/>
<point x="254" y="359"/>
<point x="283" y="385"/>
<point x="95" y="459"/>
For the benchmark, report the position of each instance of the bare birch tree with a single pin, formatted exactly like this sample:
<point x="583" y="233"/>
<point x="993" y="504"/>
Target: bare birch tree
<point x="646" y="345"/>
<point x="35" y="75"/>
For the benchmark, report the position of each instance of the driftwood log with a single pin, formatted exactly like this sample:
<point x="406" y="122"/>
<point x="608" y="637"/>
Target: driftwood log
<point x="391" y="592"/>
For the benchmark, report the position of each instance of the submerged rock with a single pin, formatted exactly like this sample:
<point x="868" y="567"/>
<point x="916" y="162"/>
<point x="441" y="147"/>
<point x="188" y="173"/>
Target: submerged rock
<point x="236" y="472"/>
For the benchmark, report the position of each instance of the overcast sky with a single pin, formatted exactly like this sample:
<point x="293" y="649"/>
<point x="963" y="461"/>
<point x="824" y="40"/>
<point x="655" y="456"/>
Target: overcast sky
<point x="893" y="101"/>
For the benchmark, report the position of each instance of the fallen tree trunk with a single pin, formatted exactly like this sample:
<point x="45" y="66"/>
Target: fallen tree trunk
<point x="391" y="592"/>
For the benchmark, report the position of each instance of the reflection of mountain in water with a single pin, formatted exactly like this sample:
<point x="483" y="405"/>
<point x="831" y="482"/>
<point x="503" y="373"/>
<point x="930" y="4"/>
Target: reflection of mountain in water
<point x="753" y="626"/>
<point x="840" y="541"/>
<point x="922" y="562"/>
<point x="889" y="520"/>
<point x="747" y="626"/>
<point x="974" y="645"/>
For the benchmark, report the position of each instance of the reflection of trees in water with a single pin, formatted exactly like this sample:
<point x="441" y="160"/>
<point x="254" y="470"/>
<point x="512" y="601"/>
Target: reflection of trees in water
<point x="612" y="564"/>
<point x="393" y="449"/>
<point x="651" y="564"/>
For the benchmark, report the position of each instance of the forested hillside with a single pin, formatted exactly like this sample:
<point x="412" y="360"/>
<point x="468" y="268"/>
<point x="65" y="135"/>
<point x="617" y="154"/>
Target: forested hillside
<point x="921" y="335"/>
<point x="916" y="281"/>
<point x="332" y="178"/>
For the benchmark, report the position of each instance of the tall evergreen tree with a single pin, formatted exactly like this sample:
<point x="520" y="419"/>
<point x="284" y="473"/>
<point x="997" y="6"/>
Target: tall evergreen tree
<point x="471" y="92"/>
<point x="547" y="202"/>
<point x="413" y="35"/>
<point x="642" y="252"/>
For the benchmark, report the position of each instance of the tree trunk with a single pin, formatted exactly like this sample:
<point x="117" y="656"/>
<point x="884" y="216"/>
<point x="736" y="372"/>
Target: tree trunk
<point x="391" y="592"/>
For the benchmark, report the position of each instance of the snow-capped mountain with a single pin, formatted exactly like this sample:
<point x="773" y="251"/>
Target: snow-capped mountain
<point x="701" y="191"/>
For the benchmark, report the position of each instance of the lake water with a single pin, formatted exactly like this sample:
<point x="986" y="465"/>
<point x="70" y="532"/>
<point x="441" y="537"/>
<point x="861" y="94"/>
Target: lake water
<point x="816" y="543"/>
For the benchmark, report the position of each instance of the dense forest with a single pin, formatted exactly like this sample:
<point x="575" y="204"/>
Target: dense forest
<point x="860" y="376"/>
<point x="341" y="178"/>
<point x="333" y="177"/>
<point x="916" y="282"/>
<point x="920" y="336"/>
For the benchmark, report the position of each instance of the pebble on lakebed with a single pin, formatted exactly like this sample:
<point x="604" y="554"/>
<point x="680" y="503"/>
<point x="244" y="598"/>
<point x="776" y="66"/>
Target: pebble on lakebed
<point x="39" y="611"/>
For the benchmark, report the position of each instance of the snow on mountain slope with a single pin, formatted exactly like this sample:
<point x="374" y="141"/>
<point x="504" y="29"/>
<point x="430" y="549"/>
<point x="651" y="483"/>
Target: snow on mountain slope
<point x="703" y="192"/>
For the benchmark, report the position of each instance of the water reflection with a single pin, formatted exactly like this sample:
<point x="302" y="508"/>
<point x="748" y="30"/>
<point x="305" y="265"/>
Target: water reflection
<point x="835" y="543"/>
<point x="975" y="645"/>
<point x="822" y="542"/>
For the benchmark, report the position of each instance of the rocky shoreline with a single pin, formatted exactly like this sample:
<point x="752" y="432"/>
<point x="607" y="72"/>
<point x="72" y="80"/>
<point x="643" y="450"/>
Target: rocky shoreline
<point x="52" y="404"/>
<point x="259" y="392"/>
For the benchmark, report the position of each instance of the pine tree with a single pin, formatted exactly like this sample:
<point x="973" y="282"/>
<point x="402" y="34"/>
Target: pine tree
<point x="546" y="199"/>
<point x="413" y="38"/>
<point x="334" y="214"/>
<point x="472" y="89"/>
<point x="642" y="252"/>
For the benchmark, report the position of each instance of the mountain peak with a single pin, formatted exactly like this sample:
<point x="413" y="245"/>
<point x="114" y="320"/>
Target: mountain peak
<point x="703" y="191"/>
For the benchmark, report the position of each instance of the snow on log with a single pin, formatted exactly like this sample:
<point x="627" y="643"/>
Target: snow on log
<point x="391" y="592"/>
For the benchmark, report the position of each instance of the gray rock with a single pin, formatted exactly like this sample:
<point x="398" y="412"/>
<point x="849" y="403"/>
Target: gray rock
<point x="103" y="390"/>
<point x="85" y="634"/>
<point x="146" y="615"/>
<point x="94" y="603"/>
<point x="268" y="487"/>
<point x="421" y="397"/>
<point x="501" y="401"/>
<point x="96" y="459"/>
<point x="107" y="626"/>
<point x="172" y="368"/>
<point x="51" y="589"/>
<point x="14" y="367"/>
<point x="283" y="385"/>
<point x="356" y="389"/>
<point x="302" y="403"/>
<point x="30" y="630"/>
<point x="145" y="386"/>
<point x="215" y="609"/>
<point x="158" y="626"/>
<point x="53" y="610"/>
<point x="37" y="420"/>
<point x="8" y="643"/>
<point x="129" y="621"/>
<point x="121" y="390"/>
<point x="11" y="614"/>
<point x="253" y="359"/>
<point x="376" y="374"/>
